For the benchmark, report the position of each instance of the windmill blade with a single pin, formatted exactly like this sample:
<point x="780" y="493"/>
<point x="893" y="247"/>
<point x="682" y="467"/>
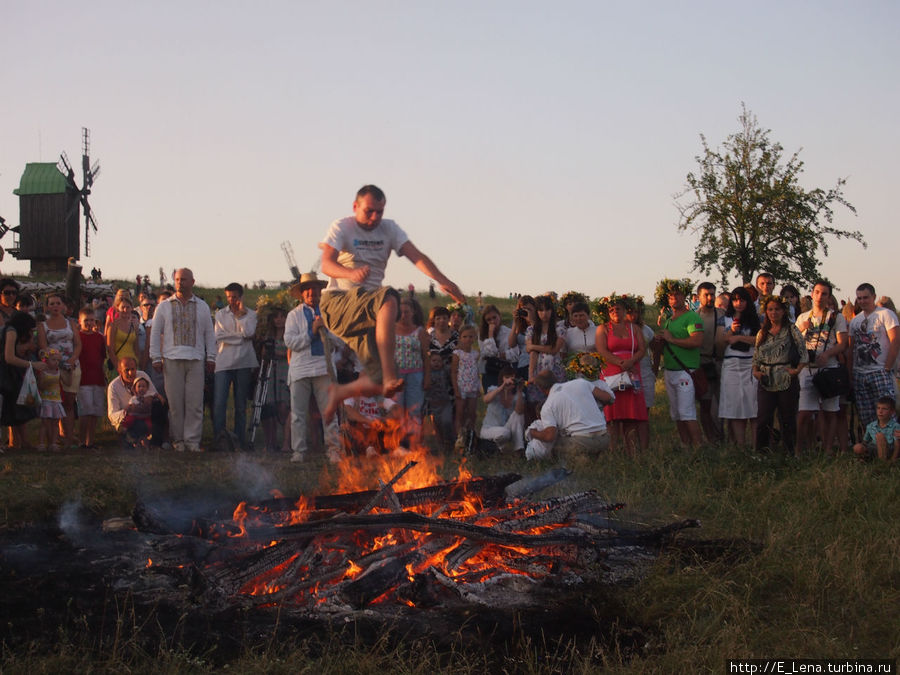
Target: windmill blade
<point x="88" y="214"/>
<point x="94" y="172"/>
<point x="65" y="168"/>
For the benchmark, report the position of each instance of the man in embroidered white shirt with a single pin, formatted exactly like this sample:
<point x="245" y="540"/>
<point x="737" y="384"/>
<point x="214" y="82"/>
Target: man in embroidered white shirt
<point x="235" y="361"/>
<point x="182" y="341"/>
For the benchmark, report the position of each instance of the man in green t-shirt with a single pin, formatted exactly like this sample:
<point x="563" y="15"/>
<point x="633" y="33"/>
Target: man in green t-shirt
<point x="683" y="336"/>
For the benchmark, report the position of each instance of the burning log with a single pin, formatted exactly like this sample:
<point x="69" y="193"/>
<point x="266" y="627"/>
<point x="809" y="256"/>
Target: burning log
<point x="386" y="490"/>
<point x="317" y="553"/>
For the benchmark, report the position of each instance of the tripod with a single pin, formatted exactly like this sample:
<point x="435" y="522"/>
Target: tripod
<point x="266" y="366"/>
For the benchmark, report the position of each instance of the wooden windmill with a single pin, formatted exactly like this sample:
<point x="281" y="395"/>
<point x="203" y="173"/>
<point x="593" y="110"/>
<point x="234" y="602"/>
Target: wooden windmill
<point x="49" y="217"/>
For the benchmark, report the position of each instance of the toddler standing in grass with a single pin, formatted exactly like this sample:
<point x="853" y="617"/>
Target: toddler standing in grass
<point x="51" y="410"/>
<point x="882" y="439"/>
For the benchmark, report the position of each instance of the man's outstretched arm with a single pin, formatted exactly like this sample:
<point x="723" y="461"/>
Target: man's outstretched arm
<point x="425" y="265"/>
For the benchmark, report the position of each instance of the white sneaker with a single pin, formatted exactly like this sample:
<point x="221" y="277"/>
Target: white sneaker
<point x="179" y="446"/>
<point x="298" y="457"/>
<point x="193" y="447"/>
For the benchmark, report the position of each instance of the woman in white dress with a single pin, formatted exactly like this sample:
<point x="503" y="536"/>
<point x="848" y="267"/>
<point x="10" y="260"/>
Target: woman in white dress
<point x="737" y="390"/>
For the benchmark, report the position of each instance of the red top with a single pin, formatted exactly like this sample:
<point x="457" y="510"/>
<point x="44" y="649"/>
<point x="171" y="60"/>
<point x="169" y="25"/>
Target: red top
<point x="93" y="353"/>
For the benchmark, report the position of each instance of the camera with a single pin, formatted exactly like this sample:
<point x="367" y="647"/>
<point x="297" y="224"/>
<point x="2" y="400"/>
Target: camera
<point x="522" y="313"/>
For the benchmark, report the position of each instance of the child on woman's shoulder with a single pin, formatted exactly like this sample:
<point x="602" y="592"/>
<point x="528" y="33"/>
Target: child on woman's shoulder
<point x="92" y="390"/>
<point x="882" y="439"/>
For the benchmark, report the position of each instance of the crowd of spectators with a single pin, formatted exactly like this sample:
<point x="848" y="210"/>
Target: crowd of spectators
<point x="731" y="364"/>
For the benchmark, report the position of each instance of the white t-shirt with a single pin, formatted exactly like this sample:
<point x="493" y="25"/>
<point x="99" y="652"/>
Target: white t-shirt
<point x="572" y="408"/>
<point x="357" y="246"/>
<point x="817" y="334"/>
<point x="870" y="339"/>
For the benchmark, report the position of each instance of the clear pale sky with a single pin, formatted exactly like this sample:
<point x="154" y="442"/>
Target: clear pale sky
<point x="523" y="146"/>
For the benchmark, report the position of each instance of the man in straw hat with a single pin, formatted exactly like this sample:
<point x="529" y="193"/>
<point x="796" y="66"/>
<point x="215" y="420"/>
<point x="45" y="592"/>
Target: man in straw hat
<point x="355" y="306"/>
<point x="309" y="370"/>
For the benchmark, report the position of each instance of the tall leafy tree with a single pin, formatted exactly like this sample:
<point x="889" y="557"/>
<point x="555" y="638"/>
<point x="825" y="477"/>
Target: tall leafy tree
<point x="752" y="214"/>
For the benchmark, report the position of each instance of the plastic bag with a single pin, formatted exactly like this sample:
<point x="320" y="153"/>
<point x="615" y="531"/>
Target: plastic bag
<point x="28" y="394"/>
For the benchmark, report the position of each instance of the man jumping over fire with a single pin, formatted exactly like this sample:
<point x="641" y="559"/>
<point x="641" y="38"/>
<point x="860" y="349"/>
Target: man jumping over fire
<point x="355" y="306"/>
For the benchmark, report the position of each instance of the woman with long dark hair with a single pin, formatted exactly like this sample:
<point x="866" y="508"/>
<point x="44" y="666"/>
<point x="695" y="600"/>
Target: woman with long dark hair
<point x="17" y="337"/>
<point x="543" y="344"/>
<point x="737" y="390"/>
<point x="779" y="357"/>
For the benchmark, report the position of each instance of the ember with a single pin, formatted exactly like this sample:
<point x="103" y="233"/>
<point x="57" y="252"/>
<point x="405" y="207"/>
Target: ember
<point x="470" y="541"/>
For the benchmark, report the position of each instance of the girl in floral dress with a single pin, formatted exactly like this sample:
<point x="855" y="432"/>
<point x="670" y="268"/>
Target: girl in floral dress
<point x="464" y="378"/>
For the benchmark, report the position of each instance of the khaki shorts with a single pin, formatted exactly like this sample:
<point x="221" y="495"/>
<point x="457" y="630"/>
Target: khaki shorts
<point x="351" y="316"/>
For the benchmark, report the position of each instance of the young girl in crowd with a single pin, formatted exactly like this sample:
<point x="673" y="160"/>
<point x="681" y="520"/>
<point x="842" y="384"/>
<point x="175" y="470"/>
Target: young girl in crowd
<point x="137" y="414"/>
<point x="464" y="378"/>
<point x="51" y="399"/>
<point x="737" y="393"/>
<point x="413" y="364"/>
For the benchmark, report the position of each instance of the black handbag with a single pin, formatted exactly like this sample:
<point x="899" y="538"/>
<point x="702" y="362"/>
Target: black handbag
<point x="831" y="382"/>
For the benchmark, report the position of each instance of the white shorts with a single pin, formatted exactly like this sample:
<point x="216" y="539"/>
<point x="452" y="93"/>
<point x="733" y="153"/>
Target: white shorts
<point x="680" y="388"/>
<point x="92" y="400"/>
<point x="811" y="399"/>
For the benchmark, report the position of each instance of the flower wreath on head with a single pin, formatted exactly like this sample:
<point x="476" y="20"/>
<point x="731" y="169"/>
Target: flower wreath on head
<point x="567" y="297"/>
<point x="266" y="304"/>
<point x="765" y="299"/>
<point x="586" y="365"/>
<point x="602" y="305"/>
<point x="666" y="286"/>
<point x="466" y="311"/>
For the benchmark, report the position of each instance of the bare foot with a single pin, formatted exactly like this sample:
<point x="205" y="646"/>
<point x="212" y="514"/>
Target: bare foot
<point x="391" y="387"/>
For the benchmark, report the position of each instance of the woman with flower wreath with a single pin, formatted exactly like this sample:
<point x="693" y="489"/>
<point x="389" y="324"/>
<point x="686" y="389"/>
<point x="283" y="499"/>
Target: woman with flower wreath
<point x="622" y="346"/>
<point x="635" y="316"/>
<point x="566" y="303"/>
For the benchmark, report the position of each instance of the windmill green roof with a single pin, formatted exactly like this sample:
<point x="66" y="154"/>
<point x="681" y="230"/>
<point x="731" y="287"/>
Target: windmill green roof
<point x="41" y="178"/>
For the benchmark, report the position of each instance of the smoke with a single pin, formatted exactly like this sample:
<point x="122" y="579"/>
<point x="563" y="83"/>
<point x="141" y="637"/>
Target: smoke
<point x="253" y="478"/>
<point x="72" y="522"/>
